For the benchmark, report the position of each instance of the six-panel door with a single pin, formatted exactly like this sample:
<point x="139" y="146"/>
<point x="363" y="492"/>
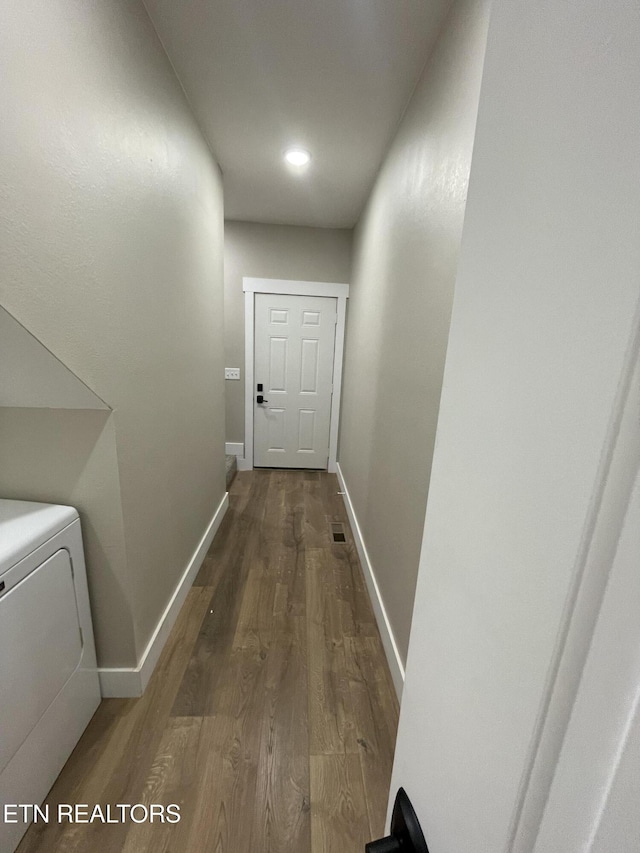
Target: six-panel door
<point x="294" y="348"/>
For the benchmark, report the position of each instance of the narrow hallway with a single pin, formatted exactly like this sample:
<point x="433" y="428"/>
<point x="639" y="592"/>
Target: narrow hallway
<point x="271" y="717"/>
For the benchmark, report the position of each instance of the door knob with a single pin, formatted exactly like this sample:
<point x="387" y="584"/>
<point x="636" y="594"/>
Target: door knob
<point x="406" y="834"/>
<point x="260" y="399"/>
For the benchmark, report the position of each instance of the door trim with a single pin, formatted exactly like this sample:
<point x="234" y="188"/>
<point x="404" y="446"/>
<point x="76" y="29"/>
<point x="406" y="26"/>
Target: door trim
<point x="339" y="291"/>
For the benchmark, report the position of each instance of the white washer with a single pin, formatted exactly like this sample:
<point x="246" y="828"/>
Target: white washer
<point x="49" y="686"/>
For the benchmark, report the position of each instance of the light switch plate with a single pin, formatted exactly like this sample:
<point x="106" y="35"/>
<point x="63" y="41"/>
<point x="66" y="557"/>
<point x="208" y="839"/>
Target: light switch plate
<point x="232" y="373"/>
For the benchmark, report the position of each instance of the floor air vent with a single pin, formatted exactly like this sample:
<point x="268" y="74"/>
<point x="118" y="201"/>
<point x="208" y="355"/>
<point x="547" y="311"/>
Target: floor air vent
<point x="337" y="532"/>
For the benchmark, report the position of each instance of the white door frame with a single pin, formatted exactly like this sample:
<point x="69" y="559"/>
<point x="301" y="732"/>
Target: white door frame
<point x="251" y="286"/>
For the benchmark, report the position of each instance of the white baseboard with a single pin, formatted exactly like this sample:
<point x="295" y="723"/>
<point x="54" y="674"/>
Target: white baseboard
<point x="234" y="448"/>
<point x="132" y="682"/>
<point x="120" y="683"/>
<point x="388" y="640"/>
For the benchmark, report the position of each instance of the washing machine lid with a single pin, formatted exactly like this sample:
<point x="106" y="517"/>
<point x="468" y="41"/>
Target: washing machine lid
<point x="24" y="526"/>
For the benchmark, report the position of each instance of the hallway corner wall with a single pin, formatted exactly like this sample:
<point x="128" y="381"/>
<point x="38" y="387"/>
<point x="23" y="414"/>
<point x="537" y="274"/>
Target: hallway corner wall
<point x="405" y="257"/>
<point x="111" y="256"/>
<point x="258" y="250"/>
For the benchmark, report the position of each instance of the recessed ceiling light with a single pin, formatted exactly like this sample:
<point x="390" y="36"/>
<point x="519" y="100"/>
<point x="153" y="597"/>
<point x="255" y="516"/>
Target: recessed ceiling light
<point x="297" y="156"/>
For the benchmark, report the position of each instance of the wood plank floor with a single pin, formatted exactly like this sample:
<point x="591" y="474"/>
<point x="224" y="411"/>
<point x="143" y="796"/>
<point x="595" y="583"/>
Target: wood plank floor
<point x="271" y="717"/>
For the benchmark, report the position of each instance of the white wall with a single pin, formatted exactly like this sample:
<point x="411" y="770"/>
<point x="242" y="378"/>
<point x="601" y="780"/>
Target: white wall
<point x="545" y="308"/>
<point x="32" y="377"/>
<point x="69" y="456"/>
<point x="405" y="259"/>
<point x="111" y="231"/>
<point x="254" y="250"/>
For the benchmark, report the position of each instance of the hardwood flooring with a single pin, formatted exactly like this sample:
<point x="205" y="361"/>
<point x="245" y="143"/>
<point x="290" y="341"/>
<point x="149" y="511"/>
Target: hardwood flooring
<point x="271" y="717"/>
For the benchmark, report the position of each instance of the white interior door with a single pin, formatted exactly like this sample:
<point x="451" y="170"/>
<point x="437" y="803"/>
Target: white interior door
<point x="294" y="351"/>
<point x="540" y="350"/>
<point x="592" y="804"/>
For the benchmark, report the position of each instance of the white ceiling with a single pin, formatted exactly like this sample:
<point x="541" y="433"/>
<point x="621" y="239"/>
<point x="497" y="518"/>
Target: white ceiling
<point x="331" y="75"/>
